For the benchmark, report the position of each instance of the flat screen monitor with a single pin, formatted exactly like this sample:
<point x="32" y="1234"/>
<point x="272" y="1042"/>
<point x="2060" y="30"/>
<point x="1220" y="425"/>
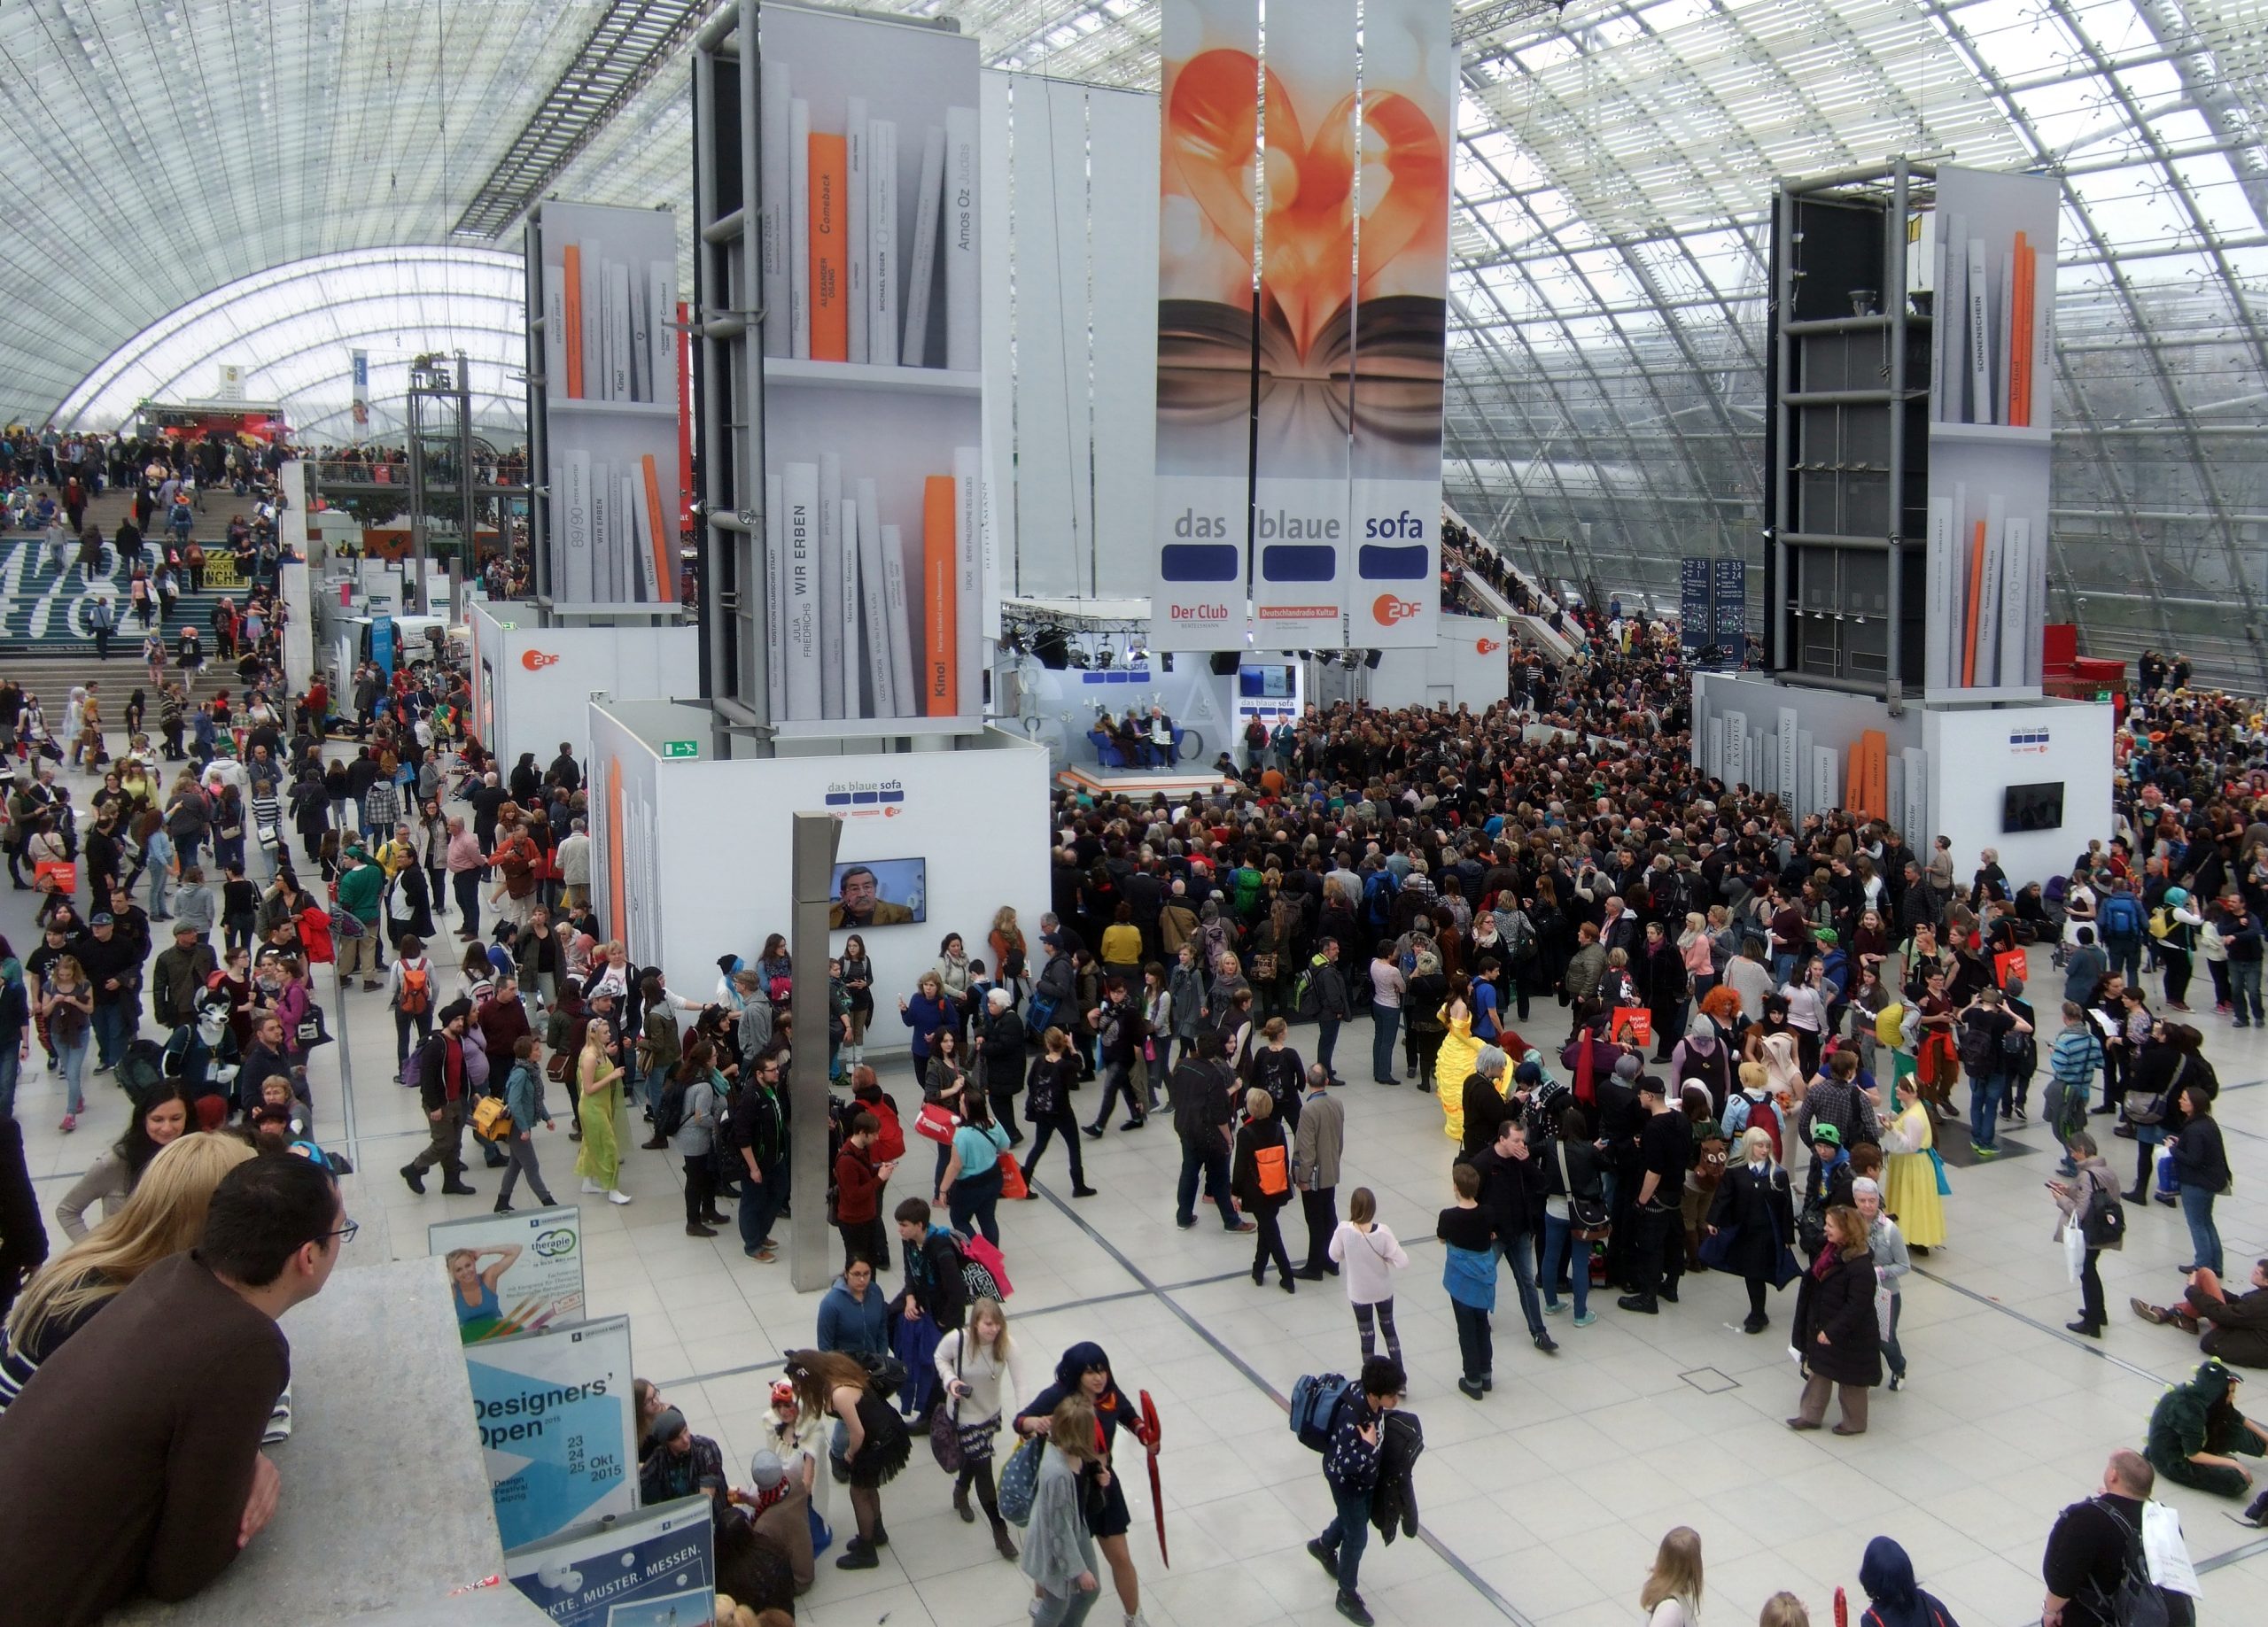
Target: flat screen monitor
<point x="870" y="893"/>
<point x="2033" y="807"/>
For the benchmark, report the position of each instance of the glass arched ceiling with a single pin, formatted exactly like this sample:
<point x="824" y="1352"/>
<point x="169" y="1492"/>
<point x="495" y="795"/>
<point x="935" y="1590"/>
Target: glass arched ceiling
<point x="158" y="150"/>
<point x="1615" y="163"/>
<point x="1615" y="168"/>
<point x="293" y="329"/>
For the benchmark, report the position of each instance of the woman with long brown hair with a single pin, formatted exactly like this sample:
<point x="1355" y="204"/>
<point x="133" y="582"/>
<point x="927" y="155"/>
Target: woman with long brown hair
<point x="876" y="1444"/>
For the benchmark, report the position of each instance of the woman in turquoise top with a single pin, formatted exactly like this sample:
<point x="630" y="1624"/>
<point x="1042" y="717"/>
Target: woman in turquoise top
<point x="475" y="1286"/>
<point x="970" y="1187"/>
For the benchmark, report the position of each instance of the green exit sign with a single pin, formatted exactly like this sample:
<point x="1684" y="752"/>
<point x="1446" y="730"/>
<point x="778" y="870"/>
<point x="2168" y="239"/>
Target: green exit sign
<point x="681" y="749"/>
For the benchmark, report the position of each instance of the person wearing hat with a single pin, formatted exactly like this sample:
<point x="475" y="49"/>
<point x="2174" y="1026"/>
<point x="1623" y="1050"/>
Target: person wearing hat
<point x="675" y="1462"/>
<point x="776" y="1505"/>
<point x="1826" y="1184"/>
<point x="359" y="887"/>
<point x="2195" y="1433"/>
<point x="179" y="974"/>
<point x="1665" y="1152"/>
<point x="2176" y="928"/>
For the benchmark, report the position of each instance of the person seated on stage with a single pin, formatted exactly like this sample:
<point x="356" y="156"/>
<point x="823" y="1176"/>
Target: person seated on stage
<point x="2233" y="1329"/>
<point x="2196" y="1430"/>
<point x="1161" y="738"/>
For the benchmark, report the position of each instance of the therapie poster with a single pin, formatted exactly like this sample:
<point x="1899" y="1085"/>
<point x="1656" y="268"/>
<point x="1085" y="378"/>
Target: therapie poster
<point x="512" y="1273"/>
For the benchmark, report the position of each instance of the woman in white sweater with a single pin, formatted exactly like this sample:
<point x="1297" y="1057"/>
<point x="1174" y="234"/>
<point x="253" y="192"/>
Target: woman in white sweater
<point x="970" y="1366"/>
<point x="1368" y="1257"/>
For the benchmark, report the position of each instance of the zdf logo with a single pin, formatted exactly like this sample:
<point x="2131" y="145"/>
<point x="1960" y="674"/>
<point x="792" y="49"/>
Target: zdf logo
<point x="1486" y="647"/>
<point x="536" y="661"/>
<point x="1386" y="609"/>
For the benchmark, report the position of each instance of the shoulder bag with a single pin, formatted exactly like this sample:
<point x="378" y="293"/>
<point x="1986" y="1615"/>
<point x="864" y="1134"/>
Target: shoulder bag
<point x="945" y="1422"/>
<point x="1588" y="1220"/>
<point x="2154" y="1104"/>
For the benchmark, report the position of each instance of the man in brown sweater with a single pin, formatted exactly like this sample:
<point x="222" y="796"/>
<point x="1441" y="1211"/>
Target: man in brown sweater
<point x="131" y="1462"/>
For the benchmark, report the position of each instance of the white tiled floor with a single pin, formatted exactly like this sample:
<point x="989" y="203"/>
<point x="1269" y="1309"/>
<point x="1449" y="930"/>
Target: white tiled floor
<point x="1540" y="1505"/>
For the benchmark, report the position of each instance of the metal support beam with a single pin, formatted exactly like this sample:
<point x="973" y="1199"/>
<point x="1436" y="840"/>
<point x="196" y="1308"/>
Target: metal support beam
<point x="811" y="1249"/>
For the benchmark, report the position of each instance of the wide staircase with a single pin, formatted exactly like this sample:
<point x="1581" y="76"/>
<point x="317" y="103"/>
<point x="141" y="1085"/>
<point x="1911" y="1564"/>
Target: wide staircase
<point x="45" y="642"/>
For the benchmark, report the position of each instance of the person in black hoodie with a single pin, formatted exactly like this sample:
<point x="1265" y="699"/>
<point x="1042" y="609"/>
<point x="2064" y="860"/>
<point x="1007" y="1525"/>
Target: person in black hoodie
<point x="1513" y="1184"/>
<point x="1484" y="1102"/>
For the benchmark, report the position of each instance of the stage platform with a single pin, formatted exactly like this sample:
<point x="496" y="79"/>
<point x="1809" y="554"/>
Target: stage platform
<point x="1140" y="784"/>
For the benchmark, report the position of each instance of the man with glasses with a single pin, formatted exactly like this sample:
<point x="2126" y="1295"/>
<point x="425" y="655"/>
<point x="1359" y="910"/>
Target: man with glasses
<point x="131" y="1462"/>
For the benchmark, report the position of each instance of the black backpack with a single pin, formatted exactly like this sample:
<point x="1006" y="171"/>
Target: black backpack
<point x="669" y="1112"/>
<point x="2136" y="1602"/>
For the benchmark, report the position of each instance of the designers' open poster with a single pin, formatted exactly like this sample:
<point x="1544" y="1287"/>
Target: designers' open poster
<point x="553" y="1411"/>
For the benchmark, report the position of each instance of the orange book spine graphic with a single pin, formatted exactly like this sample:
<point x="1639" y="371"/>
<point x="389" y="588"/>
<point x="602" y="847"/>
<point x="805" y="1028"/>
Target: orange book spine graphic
<point x="570" y="273"/>
<point x="941" y="677"/>
<point x="665" y="572"/>
<point x="830" y="235"/>
<point x="1975" y="592"/>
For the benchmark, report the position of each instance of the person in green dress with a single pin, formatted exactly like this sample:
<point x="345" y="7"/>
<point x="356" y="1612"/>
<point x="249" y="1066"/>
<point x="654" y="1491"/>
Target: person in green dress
<point x="598" y="1103"/>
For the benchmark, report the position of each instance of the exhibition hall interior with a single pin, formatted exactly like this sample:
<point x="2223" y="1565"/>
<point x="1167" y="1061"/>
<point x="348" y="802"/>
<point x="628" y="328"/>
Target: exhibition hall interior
<point x="783" y="781"/>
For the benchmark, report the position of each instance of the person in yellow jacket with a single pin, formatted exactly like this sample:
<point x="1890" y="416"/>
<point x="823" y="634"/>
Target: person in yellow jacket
<point x="1458" y="1053"/>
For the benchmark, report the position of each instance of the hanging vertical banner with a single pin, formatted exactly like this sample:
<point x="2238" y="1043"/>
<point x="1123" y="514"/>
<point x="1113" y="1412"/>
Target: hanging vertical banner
<point x="360" y="362"/>
<point x="1408" y="118"/>
<point x="1301" y="471"/>
<point x="1694" y="622"/>
<point x="1730" y="613"/>
<point x="1209" y="115"/>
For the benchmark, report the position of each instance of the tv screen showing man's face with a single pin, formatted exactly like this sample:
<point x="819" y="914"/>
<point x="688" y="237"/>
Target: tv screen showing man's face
<point x="879" y="893"/>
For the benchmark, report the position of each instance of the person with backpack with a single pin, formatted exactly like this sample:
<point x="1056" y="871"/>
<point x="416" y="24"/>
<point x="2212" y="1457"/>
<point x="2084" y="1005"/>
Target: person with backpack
<point x="1260" y="1178"/>
<point x="1319" y="995"/>
<point x="2090" y="1202"/>
<point x="1199" y="1093"/>
<point x="1350" y="1470"/>
<point x="410" y="995"/>
<point x="1985" y="1027"/>
<point x="2120" y="925"/>
<point x="2174" y="926"/>
<point x="1047" y="1107"/>
<point x="2095" y="1567"/>
<point x="524" y="1104"/>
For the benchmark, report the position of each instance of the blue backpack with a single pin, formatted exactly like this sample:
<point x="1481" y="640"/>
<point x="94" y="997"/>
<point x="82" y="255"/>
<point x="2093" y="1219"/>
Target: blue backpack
<point x="2121" y="918"/>
<point x="1314" y="1407"/>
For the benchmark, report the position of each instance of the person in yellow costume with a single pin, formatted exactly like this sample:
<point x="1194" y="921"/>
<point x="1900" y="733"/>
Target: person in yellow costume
<point x="1909" y="1185"/>
<point x="1459" y="1051"/>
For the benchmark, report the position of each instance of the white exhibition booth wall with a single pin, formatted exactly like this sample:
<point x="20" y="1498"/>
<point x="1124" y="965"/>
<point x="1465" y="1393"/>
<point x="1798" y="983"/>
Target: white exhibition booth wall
<point x="1950" y="769"/>
<point x="531" y="686"/>
<point x="1468" y="665"/>
<point x="1056" y="708"/>
<point x="709" y="838"/>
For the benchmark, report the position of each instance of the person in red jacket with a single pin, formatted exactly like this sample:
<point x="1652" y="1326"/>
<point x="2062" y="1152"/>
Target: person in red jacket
<point x="858" y="1192"/>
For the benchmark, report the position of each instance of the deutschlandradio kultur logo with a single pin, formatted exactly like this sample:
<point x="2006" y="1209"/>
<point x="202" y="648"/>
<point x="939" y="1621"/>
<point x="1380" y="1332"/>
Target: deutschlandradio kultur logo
<point x="867" y="799"/>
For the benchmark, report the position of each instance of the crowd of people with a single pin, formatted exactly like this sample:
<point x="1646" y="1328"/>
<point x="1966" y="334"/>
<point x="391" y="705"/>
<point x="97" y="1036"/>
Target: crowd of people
<point x="1667" y="1029"/>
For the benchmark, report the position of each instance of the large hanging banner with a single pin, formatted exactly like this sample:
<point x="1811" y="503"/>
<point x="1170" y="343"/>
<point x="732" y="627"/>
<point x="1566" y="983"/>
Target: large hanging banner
<point x="1207" y="182"/>
<point x="1301" y="472"/>
<point x="1308" y="426"/>
<point x="1410" y="85"/>
<point x="556" y="1427"/>
<point x="655" y="1567"/>
<point x="510" y="1273"/>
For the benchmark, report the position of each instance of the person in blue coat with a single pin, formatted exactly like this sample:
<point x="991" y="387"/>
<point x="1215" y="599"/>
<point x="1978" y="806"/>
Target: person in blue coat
<point x="854" y="1318"/>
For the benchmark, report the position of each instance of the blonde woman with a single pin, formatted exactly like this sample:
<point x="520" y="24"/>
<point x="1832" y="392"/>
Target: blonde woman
<point x="598" y="1103"/>
<point x="164" y="1214"/>
<point x="1060" y="1552"/>
<point x="1672" y="1596"/>
<point x="970" y="1366"/>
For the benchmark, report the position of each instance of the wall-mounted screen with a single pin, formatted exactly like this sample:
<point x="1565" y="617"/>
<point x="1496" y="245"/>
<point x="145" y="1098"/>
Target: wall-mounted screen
<point x="880" y="893"/>
<point x="1269" y="682"/>
<point x="2033" y="807"/>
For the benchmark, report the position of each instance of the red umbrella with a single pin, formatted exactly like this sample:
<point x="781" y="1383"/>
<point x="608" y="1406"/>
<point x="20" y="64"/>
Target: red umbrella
<point x="1151" y="1439"/>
